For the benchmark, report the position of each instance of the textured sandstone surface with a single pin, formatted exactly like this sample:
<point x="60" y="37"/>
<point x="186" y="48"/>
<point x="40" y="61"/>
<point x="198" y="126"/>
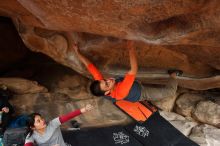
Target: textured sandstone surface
<point x="205" y="135"/>
<point x="53" y="105"/>
<point x="22" y="86"/>
<point x="208" y="112"/>
<point x="181" y="123"/>
<point x="186" y="103"/>
<point x="168" y="34"/>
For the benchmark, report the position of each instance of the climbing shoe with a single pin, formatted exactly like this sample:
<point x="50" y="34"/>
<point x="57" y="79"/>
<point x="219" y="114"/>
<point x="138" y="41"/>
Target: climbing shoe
<point x="178" y="72"/>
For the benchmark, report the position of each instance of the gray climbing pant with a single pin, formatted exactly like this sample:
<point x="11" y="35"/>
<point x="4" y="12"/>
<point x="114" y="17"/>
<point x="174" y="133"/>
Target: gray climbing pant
<point x="156" y="94"/>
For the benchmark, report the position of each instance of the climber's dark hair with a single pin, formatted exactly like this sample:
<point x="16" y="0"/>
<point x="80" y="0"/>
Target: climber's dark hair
<point x="30" y="123"/>
<point x="95" y="88"/>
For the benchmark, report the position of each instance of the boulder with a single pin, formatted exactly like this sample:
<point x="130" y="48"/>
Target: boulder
<point x="205" y="135"/>
<point x="22" y="86"/>
<point x="207" y="112"/>
<point x="186" y="103"/>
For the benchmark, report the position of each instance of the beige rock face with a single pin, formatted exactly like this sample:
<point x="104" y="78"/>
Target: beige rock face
<point x="186" y="103"/>
<point x="205" y="135"/>
<point x="67" y="93"/>
<point x="184" y="125"/>
<point x="208" y="112"/>
<point x="168" y="34"/>
<point x="53" y="105"/>
<point x="75" y="86"/>
<point x="22" y="86"/>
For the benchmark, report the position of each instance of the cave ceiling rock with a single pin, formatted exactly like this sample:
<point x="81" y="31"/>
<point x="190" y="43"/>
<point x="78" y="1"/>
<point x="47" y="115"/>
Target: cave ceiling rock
<point x="181" y="34"/>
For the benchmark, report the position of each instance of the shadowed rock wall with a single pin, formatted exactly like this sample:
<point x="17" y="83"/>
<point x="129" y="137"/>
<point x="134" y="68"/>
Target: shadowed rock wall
<point x="10" y="42"/>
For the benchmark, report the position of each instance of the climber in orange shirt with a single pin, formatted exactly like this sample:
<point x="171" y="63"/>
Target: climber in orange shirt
<point x="115" y="89"/>
<point x="125" y="88"/>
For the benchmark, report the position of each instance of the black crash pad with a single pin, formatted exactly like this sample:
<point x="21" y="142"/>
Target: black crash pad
<point x="156" y="131"/>
<point x="107" y="136"/>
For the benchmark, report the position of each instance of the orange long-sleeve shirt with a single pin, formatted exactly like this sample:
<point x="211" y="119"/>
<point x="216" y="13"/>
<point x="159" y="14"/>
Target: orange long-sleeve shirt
<point x="121" y="89"/>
